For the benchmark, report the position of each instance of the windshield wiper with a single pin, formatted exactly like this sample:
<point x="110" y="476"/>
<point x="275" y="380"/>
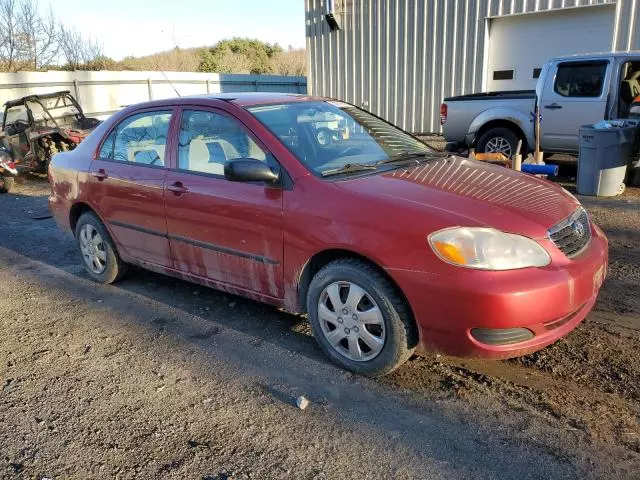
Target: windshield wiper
<point x="349" y="168"/>
<point x="405" y="157"/>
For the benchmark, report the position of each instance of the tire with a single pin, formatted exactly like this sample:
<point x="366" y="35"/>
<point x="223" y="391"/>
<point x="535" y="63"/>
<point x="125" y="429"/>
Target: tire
<point x="500" y="136"/>
<point x="394" y="330"/>
<point x="324" y="136"/>
<point x="112" y="268"/>
<point x="7" y="184"/>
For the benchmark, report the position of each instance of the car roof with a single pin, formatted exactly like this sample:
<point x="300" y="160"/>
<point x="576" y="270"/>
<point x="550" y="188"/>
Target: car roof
<point x="598" y="55"/>
<point x="20" y="101"/>
<point x="241" y="99"/>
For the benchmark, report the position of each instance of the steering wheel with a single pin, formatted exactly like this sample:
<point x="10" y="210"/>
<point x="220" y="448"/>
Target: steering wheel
<point x="20" y="125"/>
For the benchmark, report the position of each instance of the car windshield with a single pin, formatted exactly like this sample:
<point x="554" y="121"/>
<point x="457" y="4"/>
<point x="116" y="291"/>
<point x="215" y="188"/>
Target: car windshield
<point x="332" y="137"/>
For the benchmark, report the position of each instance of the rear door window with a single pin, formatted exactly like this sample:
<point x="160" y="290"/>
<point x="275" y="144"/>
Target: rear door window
<point x="580" y="79"/>
<point x="139" y="139"/>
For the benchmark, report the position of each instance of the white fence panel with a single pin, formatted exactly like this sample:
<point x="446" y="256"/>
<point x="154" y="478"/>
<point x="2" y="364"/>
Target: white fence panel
<point x="102" y="93"/>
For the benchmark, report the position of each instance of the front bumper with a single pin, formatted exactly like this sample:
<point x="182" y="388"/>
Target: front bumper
<point x="549" y="301"/>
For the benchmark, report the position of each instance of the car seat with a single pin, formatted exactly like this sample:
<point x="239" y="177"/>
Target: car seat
<point x="200" y="157"/>
<point x="629" y="89"/>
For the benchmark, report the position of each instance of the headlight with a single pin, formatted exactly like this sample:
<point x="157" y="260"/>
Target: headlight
<point x="487" y="249"/>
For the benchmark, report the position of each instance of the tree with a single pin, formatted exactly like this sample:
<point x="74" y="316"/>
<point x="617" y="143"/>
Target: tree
<point x="238" y="55"/>
<point x="8" y="34"/>
<point x="290" y="62"/>
<point x="77" y="50"/>
<point x="176" y="60"/>
<point x="38" y="36"/>
<point x="102" y="63"/>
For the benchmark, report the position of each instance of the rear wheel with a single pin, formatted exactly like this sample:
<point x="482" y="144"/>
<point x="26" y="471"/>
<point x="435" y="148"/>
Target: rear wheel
<point x="7" y="184"/>
<point x="498" y="140"/>
<point x="358" y="318"/>
<point x="98" y="252"/>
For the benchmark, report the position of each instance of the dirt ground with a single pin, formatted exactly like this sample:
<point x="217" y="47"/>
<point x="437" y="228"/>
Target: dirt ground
<point x="158" y="378"/>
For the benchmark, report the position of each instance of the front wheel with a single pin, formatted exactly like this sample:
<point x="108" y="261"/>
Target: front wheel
<point x="359" y="319"/>
<point x="98" y="252"/>
<point x="7" y="184"/>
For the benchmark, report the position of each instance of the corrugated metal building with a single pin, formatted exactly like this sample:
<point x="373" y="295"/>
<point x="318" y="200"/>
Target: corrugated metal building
<point x="400" y="58"/>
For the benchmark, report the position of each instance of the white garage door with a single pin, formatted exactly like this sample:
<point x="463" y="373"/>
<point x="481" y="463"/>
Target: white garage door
<point x="519" y="45"/>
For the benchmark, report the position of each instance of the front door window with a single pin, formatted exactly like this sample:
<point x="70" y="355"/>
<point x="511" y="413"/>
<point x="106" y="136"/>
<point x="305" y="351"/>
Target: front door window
<point x="208" y="140"/>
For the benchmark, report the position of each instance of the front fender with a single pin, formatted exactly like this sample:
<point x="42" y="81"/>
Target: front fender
<point x="504" y="114"/>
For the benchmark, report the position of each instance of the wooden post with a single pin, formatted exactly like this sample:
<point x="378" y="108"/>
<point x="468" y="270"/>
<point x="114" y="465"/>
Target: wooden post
<point x="150" y="88"/>
<point x="539" y="156"/>
<point x="208" y="86"/>
<point x="516" y="161"/>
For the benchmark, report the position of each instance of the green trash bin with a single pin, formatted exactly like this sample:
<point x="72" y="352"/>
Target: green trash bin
<point x="605" y="152"/>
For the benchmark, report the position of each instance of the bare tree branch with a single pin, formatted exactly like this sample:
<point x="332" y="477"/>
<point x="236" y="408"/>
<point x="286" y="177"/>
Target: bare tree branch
<point x="290" y="62"/>
<point x="8" y="37"/>
<point x="77" y="50"/>
<point x="38" y="35"/>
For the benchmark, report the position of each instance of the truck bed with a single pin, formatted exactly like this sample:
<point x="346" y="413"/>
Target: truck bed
<point x="503" y="95"/>
<point x="463" y="111"/>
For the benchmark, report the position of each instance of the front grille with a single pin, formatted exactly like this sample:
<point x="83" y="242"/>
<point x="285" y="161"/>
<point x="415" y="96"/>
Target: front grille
<point x="573" y="234"/>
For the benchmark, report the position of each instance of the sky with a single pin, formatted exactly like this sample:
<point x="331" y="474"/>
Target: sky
<point x="142" y="27"/>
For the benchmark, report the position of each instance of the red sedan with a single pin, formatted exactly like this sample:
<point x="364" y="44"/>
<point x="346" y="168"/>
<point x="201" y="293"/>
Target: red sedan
<point x="317" y="206"/>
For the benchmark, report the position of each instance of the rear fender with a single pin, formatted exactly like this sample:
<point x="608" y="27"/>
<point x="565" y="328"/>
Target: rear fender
<point x="506" y="115"/>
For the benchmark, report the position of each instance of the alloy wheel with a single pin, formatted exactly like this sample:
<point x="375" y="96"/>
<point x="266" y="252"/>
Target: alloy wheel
<point x="323" y="138"/>
<point x="499" y="145"/>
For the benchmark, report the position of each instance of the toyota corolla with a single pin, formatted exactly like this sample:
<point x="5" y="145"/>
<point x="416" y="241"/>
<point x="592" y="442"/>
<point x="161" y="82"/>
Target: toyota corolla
<point x="319" y="207"/>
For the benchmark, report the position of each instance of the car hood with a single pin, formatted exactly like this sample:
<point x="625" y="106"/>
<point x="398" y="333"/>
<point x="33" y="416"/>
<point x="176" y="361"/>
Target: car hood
<point x="472" y="193"/>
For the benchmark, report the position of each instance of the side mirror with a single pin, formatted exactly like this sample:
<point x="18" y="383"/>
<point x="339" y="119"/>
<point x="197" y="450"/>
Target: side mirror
<point x="249" y="170"/>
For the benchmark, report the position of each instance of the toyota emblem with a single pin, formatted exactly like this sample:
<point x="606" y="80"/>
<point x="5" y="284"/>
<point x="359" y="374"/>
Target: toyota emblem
<point x="578" y="229"/>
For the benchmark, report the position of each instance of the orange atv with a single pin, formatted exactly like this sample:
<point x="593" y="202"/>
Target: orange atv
<point x="35" y="128"/>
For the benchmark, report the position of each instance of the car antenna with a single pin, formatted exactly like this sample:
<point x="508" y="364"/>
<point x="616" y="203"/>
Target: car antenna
<point x="171" y="83"/>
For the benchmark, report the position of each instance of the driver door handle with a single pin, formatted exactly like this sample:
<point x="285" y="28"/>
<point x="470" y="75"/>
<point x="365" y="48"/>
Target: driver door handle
<point x="177" y="188"/>
<point x="100" y="174"/>
<point x="553" y="106"/>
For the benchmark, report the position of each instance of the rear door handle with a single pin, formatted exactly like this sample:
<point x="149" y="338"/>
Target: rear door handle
<point x="177" y="188"/>
<point x="100" y="174"/>
<point x="553" y="106"/>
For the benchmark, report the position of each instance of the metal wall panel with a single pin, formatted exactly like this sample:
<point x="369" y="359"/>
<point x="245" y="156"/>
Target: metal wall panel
<point x="400" y="58"/>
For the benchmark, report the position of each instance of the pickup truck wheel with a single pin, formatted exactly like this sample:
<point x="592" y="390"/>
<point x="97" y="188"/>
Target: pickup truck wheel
<point x="99" y="255"/>
<point x="6" y="184"/>
<point x="498" y="140"/>
<point x="324" y="136"/>
<point x="359" y="319"/>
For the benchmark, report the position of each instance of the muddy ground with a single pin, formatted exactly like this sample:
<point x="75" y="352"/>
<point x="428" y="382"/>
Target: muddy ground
<point x="158" y="378"/>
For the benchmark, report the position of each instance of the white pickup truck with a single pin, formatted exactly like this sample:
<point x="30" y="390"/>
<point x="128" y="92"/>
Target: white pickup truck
<point x="571" y="92"/>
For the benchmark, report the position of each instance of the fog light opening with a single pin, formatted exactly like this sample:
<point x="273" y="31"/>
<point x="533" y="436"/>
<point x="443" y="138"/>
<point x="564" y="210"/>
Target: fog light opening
<point x="501" y="336"/>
